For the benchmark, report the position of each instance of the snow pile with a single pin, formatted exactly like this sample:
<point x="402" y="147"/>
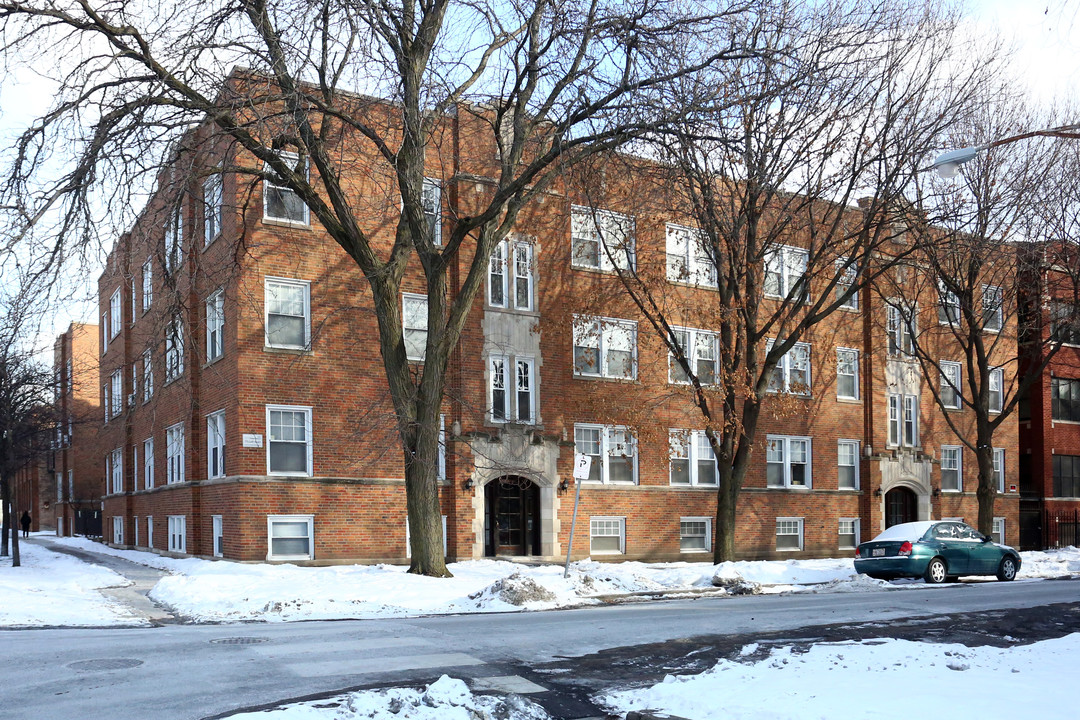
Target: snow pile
<point x="50" y="589"/>
<point x="444" y="699"/>
<point x="832" y="680"/>
<point x="1049" y="563"/>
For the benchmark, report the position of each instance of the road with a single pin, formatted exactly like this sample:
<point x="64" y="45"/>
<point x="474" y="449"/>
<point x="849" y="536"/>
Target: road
<point x="190" y="672"/>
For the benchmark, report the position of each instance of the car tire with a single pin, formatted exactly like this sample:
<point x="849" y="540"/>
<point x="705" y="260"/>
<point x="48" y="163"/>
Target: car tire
<point x="1007" y="569"/>
<point x="936" y="571"/>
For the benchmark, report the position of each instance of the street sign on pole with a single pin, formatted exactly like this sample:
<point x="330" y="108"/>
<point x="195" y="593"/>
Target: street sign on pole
<point x="582" y="466"/>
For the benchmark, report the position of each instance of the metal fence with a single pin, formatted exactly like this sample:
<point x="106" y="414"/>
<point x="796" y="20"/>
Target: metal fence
<point x="1060" y="529"/>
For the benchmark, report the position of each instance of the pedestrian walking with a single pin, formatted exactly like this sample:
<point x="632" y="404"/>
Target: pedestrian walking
<point x="25" y="520"/>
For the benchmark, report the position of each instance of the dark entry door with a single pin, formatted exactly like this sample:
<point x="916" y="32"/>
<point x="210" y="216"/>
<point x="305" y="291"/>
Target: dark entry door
<point x="900" y="506"/>
<point x="512" y="517"/>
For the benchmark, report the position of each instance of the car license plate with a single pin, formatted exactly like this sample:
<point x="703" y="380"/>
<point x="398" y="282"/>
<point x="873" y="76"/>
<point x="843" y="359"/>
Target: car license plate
<point x="878" y="552"/>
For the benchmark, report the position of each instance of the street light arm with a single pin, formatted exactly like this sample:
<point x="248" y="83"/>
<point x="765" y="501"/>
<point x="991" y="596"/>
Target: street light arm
<point x="949" y="163"/>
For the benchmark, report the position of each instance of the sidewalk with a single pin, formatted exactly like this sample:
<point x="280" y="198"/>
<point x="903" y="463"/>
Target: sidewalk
<point x="134" y="596"/>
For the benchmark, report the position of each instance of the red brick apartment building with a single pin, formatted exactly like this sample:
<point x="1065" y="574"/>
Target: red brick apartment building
<point x="244" y="412"/>
<point x="33" y="491"/>
<point x="1050" y="416"/>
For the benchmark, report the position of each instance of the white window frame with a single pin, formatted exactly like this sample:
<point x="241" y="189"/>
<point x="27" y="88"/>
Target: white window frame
<point x="134" y="315"/>
<point x="949" y="453"/>
<point x="606" y="523"/>
<point x="996" y="381"/>
<point x="785" y="261"/>
<point x="847" y="275"/>
<point x="174" y="238"/>
<point x="901" y="327"/>
<point x="857" y="532"/>
<point x="785" y="442"/>
<point x="178" y="533"/>
<point x="597" y="333"/>
<point x="910" y="426"/>
<point x="525" y="384"/>
<point x="607" y="448"/>
<point x="309" y="441"/>
<point x="150" y="531"/>
<point x="498" y="392"/>
<point x="174" y="454"/>
<point x="215" y="325"/>
<point x="693" y="447"/>
<point x="215" y="444"/>
<point x="147" y="285"/>
<point x="148" y="376"/>
<point x="431" y="201"/>
<point x="948" y="305"/>
<point x="785" y="370"/>
<point x="116" y="470"/>
<point x="148" y="463"/>
<point x="118" y="530"/>
<point x="291" y="283"/>
<point x="998" y="528"/>
<point x="584" y="222"/>
<point x="994" y="320"/>
<point x="708" y="534"/>
<point x="853" y="447"/>
<point x="506" y="275"/>
<point x="135" y="469"/>
<point x="217" y="527"/>
<point x="271" y="520"/>
<point x="116" y="393"/>
<point x="840" y="363"/>
<point x="692" y="346"/>
<point x="785" y="523"/>
<point x="213" y="208"/>
<point x="420" y="333"/>
<point x="174" y="349"/>
<point x="999" y="468"/>
<point x="289" y="158"/>
<point x="135" y="529"/>
<point x="115" y="319"/>
<point x="688" y="260"/>
<point x="946" y="368"/>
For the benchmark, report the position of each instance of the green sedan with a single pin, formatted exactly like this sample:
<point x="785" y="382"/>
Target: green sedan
<point x="935" y="550"/>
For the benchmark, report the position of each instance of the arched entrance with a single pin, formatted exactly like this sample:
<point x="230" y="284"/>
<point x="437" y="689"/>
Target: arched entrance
<point x="901" y="506"/>
<point x="511" y="516"/>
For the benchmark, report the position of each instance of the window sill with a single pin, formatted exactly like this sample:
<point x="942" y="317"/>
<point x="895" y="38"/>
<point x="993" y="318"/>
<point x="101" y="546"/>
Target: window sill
<point x="286" y="350"/>
<point x="281" y="222"/>
<point x="789" y="549"/>
<point x="792" y="488"/>
<point x="1055" y="421"/>
<point x="697" y="486"/>
<point x="711" y="287"/>
<point x="849" y="400"/>
<point x="515" y="311"/>
<point x="170" y="381"/>
<point x="213" y="361"/>
<point x="845" y="308"/>
<point x="307" y="476"/>
<point x="604" y="378"/>
<point x="208" y="243"/>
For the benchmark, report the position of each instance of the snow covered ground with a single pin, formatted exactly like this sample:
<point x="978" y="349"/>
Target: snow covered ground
<point x="58" y="590"/>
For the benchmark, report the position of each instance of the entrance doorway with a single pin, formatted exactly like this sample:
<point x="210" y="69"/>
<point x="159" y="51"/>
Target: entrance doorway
<point x="900" y="506"/>
<point x="511" y="517"/>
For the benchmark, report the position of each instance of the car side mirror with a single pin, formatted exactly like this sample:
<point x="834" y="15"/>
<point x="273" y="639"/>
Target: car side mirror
<point x="987" y="538"/>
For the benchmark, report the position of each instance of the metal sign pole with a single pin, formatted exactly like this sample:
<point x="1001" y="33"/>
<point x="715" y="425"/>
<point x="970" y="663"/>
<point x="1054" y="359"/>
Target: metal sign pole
<point x="582" y="465"/>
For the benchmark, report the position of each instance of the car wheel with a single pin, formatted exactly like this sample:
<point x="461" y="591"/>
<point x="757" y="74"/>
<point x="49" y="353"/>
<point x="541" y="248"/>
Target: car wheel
<point x="1007" y="569"/>
<point x="935" y="572"/>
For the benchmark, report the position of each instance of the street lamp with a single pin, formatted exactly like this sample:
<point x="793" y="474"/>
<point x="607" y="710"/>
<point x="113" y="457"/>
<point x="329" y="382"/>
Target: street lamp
<point x="948" y="165"/>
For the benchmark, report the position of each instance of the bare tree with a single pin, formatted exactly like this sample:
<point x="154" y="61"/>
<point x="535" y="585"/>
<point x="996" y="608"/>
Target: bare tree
<point x="539" y="84"/>
<point x="798" y="195"/>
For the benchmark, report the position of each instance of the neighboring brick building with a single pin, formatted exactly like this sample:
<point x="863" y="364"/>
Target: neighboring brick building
<point x="246" y="413"/>
<point x="33" y="491"/>
<point x="76" y="460"/>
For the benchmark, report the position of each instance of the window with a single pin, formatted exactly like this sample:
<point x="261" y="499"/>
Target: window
<point x="174" y="239"/>
<point x="414" y="323"/>
<point x="133" y="319"/>
<point x="847" y="462"/>
<point x="691" y="458"/>
<point x="950" y="384"/>
<point x="607" y="535"/>
<point x="911" y="420"/>
<point x="992" y="307"/>
<point x="792" y="372"/>
<point x="148" y="463"/>
<point x="613" y="450"/>
<point x="894" y="402"/>
<point x="135" y="471"/>
<point x="288" y="313"/>
<point x="695" y="534"/>
<point x="787" y="462"/>
<point x="147" y="285"/>
<point x="524" y="395"/>
<point x="605" y="347"/>
<point x="948" y="305"/>
<point x="174" y="349"/>
<point x="279" y="202"/>
<point x="177" y="533"/>
<point x="212" y="208"/>
<point x="499" y="399"/>
<point x="785" y="273"/>
<point x="510" y="276"/>
<point x="150" y="531"/>
<point x="847" y="274"/>
<point x="524" y="388"/>
<point x="116" y="470"/>
<point x="601" y="239"/>
<point x="1067" y="476"/>
<point x="215" y="325"/>
<point x="1065" y="323"/>
<point x="134" y="384"/>
<point x="114" y="314"/>
<point x="849" y="533"/>
<point x="104" y="332"/>
<point x="290" y="537"/>
<point x="1065" y="399"/>
<point x="996" y="381"/>
<point x="218" y="528"/>
<point x="901" y="329"/>
<point x="215" y="444"/>
<point x="701" y="349"/>
<point x="951" y="475"/>
<point x="997" y="534"/>
<point x="408" y="538"/>
<point x="118" y="530"/>
<point x="147" y="377"/>
<point x="789" y="534"/>
<point x="174" y="454"/>
<point x="135" y="528"/>
<point x="999" y="469"/>
<point x="431" y="198"/>
<point x="847" y="373"/>
<point x="688" y="256"/>
<point x="116" y="394"/>
<point x="288" y="447"/>
<point x="71" y="484"/>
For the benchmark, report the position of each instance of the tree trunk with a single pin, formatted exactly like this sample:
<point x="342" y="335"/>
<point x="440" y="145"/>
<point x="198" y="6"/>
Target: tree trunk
<point x="6" y="520"/>
<point x="424" y="511"/>
<point x="727" y="497"/>
<point x="987" y="490"/>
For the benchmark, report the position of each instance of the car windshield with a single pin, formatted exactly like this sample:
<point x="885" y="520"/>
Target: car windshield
<point x="905" y="531"/>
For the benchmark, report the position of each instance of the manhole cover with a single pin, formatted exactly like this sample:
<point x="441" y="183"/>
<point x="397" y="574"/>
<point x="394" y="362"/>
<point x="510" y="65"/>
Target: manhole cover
<point x="105" y="664"/>
<point x="239" y="641"/>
